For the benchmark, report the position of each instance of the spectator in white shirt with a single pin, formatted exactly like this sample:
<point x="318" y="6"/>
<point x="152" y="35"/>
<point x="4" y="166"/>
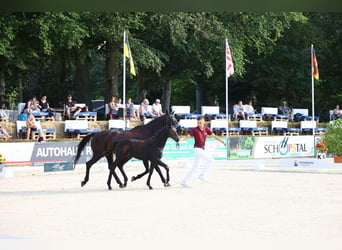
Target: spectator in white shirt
<point x="157" y="108"/>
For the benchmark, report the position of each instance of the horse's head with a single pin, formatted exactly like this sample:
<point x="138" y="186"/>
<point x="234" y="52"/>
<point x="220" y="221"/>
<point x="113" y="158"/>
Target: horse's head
<point x="173" y="134"/>
<point x="173" y="122"/>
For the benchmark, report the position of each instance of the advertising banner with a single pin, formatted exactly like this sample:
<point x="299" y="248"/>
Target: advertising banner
<point x="283" y="146"/>
<point x="38" y="154"/>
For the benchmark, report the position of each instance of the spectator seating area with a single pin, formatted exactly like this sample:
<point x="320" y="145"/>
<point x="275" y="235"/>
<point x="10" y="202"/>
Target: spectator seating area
<point x="332" y="116"/>
<point x="39" y="116"/>
<point x="271" y="114"/>
<point x="78" y="128"/>
<point x="50" y="133"/>
<point x="219" y="127"/>
<point x="187" y="125"/>
<point x="310" y="127"/>
<point x="118" y="125"/>
<point x="180" y="112"/>
<point x="2" y="136"/>
<point x="251" y="128"/>
<point x="212" y="113"/>
<point x="281" y="128"/>
<point x="85" y="115"/>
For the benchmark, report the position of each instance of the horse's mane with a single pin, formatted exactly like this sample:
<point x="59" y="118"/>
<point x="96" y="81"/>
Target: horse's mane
<point x="153" y="123"/>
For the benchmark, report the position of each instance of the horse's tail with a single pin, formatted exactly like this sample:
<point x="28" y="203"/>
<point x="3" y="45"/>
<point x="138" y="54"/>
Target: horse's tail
<point x="81" y="146"/>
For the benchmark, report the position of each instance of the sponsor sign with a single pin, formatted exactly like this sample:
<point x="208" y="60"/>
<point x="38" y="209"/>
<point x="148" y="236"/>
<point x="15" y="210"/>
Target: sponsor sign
<point x="61" y="166"/>
<point x="37" y="154"/>
<point x="283" y="146"/>
<point x="60" y="152"/>
<point x="304" y="163"/>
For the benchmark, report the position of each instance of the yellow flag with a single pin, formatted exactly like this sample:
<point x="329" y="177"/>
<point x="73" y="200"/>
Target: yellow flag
<point x="127" y="53"/>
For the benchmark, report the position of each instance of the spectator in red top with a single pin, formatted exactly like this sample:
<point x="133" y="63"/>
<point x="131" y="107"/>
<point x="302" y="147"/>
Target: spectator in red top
<point x="200" y="134"/>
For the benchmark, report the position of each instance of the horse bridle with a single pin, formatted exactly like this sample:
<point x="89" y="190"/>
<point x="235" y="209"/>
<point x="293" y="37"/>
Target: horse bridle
<point x="176" y="126"/>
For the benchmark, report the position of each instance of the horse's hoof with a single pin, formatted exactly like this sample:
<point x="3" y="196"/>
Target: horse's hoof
<point x="150" y="187"/>
<point x="109" y="188"/>
<point x="133" y="178"/>
<point x="121" y="186"/>
<point x="83" y="183"/>
<point x="167" y="184"/>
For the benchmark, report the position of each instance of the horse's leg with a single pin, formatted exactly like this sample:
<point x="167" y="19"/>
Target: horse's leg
<point x="143" y="173"/>
<point x="110" y="160"/>
<point x="153" y="165"/>
<point x="112" y="173"/>
<point x="120" y="166"/>
<point x="166" y="167"/>
<point x="88" y="165"/>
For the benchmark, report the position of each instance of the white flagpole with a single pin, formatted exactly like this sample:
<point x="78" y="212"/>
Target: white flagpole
<point x="124" y="83"/>
<point x="312" y="93"/>
<point x="227" y="124"/>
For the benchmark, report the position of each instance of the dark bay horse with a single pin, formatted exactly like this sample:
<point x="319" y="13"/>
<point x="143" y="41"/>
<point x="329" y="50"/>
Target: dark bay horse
<point x="102" y="142"/>
<point x="147" y="150"/>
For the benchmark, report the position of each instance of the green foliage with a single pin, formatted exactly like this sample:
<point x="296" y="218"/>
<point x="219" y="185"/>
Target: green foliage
<point x="333" y="137"/>
<point x="271" y="54"/>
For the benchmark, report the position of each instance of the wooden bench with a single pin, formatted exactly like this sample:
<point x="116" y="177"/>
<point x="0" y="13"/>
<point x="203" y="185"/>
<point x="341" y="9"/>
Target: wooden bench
<point x="219" y="127"/>
<point x="310" y="127"/>
<point x="50" y="133"/>
<point x="187" y="125"/>
<point x="118" y="125"/>
<point x="43" y="116"/>
<point x="180" y="112"/>
<point x="254" y="117"/>
<point x="281" y="128"/>
<point x="88" y="115"/>
<point x="271" y="114"/>
<point x="78" y="128"/>
<point x="251" y="128"/>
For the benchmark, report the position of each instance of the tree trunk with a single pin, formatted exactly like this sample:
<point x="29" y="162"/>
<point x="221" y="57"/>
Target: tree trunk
<point x="141" y="87"/>
<point x="83" y="79"/>
<point x="166" y="96"/>
<point x="112" y="70"/>
<point x="20" y="86"/>
<point x="2" y="86"/>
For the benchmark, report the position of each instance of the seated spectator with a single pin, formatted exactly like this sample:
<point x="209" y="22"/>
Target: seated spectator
<point x="144" y="110"/>
<point x="71" y="110"/>
<point x="30" y="125"/>
<point x="249" y="108"/>
<point x="337" y="112"/>
<point x="285" y="110"/>
<point x="40" y="138"/>
<point x="239" y="111"/>
<point x="157" y="108"/>
<point x="45" y="107"/>
<point x="31" y="106"/>
<point x="3" y="115"/>
<point x="113" y="107"/>
<point x="132" y="112"/>
<point x="4" y="132"/>
<point x="119" y="103"/>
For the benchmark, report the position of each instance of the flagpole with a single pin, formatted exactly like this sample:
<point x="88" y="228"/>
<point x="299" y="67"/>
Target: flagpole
<point x="227" y="124"/>
<point x="312" y="93"/>
<point x="124" y="83"/>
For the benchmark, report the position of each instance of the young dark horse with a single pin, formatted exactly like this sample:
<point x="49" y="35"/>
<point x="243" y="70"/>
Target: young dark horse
<point x="102" y="142"/>
<point x="147" y="150"/>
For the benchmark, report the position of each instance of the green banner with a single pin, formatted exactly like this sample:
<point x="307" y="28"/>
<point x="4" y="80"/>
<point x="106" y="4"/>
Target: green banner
<point x="60" y="166"/>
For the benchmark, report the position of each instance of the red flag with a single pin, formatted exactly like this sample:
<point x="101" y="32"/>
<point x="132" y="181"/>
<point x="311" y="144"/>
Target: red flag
<point x="314" y="65"/>
<point x="229" y="61"/>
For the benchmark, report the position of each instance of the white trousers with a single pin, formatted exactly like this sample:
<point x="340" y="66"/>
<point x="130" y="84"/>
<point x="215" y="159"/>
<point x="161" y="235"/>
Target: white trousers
<point x="200" y="154"/>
